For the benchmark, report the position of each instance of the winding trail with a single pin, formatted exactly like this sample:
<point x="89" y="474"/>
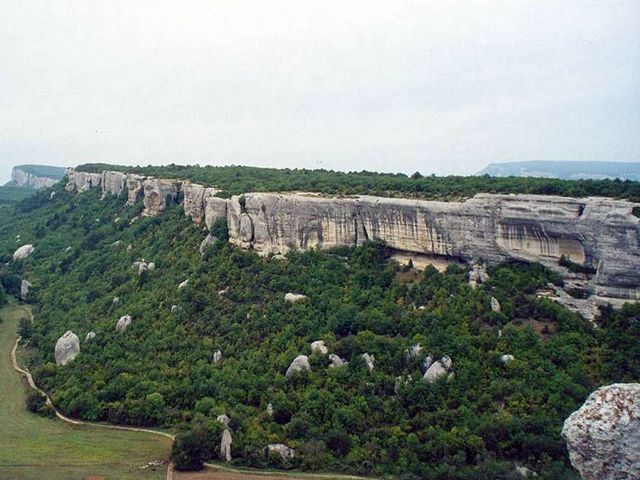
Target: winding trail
<point x="169" y="471"/>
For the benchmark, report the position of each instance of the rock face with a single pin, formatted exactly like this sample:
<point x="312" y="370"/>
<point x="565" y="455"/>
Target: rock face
<point x="225" y="445"/>
<point x="156" y="193"/>
<point x="600" y="234"/>
<point x="319" y="347"/>
<point x="25" y="179"/>
<point x="123" y="323"/>
<point x="24" y="289"/>
<point x="113" y="183"/>
<point x="67" y="348"/>
<point x="603" y="436"/>
<point x="23" y="252"/>
<point x="299" y="364"/>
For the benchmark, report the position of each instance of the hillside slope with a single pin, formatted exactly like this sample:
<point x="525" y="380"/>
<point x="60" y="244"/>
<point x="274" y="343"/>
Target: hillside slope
<point x="482" y="418"/>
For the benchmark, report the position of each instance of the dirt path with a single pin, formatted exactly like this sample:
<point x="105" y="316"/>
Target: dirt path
<point x="26" y="374"/>
<point x="215" y="470"/>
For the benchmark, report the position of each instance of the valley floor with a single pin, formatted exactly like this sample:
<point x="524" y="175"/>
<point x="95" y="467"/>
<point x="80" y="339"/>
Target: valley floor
<point x="32" y="447"/>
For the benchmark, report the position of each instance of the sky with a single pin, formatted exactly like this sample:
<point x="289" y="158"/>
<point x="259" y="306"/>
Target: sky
<point x="441" y="87"/>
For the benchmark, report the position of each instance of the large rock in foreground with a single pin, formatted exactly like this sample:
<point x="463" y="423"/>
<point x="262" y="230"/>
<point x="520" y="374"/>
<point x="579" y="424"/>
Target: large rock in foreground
<point x="67" y="348"/>
<point x="603" y="436"/>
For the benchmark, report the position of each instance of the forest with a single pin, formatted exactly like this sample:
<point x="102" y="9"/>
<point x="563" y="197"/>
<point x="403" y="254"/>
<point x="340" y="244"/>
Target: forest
<point x="480" y="422"/>
<point x="235" y="180"/>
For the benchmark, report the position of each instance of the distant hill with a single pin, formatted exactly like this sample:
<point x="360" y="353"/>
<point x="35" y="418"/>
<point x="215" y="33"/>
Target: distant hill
<point x="565" y="170"/>
<point x="35" y="176"/>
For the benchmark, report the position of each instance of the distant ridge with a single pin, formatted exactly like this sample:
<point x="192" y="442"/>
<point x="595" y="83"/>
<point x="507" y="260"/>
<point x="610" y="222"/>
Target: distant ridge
<point x="565" y="170"/>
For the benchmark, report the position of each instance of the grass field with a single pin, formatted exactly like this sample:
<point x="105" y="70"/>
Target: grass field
<point x="32" y="447"/>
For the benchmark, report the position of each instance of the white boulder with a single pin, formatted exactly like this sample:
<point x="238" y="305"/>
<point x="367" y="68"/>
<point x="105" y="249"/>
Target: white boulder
<point x="319" y="347"/>
<point x="369" y="360"/>
<point x="294" y="297"/>
<point x="217" y="356"/>
<point x="336" y="361"/>
<point x="225" y="445"/>
<point x="285" y="452"/>
<point x="507" y="358"/>
<point x="23" y="252"/>
<point x="24" y="289"/>
<point x="223" y="419"/>
<point x="495" y="305"/>
<point x="412" y="352"/>
<point x="123" y="323"/>
<point x="603" y="436"/>
<point x="67" y="348"/>
<point x="90" y="336"/>
<point x="439" y="369"/>
<point x="182" y="285"/>
<point x="299" y="364"/>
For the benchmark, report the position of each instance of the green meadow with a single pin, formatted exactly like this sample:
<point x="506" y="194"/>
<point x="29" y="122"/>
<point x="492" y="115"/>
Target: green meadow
<point x="33" y="447"/>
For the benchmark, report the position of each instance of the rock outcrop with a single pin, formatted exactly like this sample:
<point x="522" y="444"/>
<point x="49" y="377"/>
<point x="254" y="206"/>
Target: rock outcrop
<point x="600" y="234"/>
<point x="67" y="348"/>
<point x="299" y="364"/>
<point x="113" y="183"/>
<point x="225" y="445"/>
<point x="23" y="252"/>
<point x="22" y="178"/>
<point x="603" y="436"/>
<point x="123" y="323"/>
<point x="206" y="243"/>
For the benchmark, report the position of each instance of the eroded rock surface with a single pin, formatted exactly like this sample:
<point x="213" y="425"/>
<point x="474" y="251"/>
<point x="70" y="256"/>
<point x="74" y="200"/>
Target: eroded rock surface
<point x="603" y="436"/>
<point x="67" y="348"/>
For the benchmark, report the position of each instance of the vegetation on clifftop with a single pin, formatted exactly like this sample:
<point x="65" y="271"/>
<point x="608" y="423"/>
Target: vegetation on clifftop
<point x="236" y="180"/>
<point x="489" y="417"/>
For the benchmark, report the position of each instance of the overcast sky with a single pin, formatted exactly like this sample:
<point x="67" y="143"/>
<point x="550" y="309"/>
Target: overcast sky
<point x="431" y="86"/>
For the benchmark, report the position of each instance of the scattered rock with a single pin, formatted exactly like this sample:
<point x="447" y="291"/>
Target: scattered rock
<point x="507" y="358"/>
<point x="270" y="409"/>
<point x="67" y="348"/>
<point x="116" y="300"/>
<point x="478" y="275"/>
<point x="223" y="419"/>
<point x="604" y="434"/>
<point x="225" y="445"/>
<point x="336" y="361"/>
<point x="68" y="249"/>
<point x="319" y="347"/>
<point x="183" y="284"/>
<point x="130" y="247"/>
<point x="24" y="289"/>
<point x="217" y="356"/>
<point x="299" y="364"/>
<point x="123" y="323"/>
<point x="294" y="297"/>
<point x="90" y="336"/>
<point x="428" y="361"/>
<point x="369" y="360"/>
<point x="412" y="352"/>
<point x="439" y="369"/>
<point x="174" y="308"/>
<point x="23" y="252"/>
<point x="285" y="452"/>
<point x="223" y="291"/>
<point x="495" y="305"/>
